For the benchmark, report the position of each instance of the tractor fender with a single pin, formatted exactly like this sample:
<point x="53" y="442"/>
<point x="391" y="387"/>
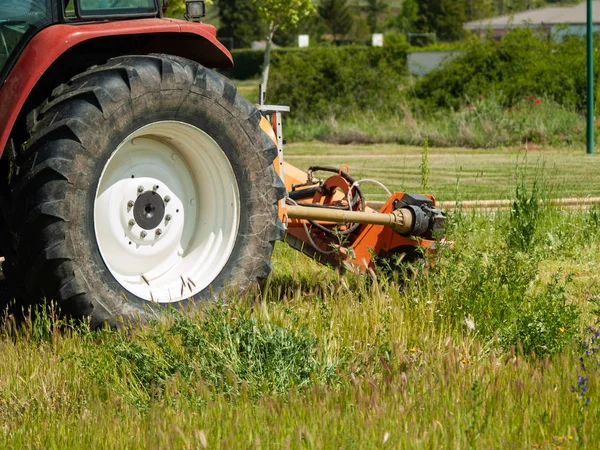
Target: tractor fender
<point x="195" y="41"/>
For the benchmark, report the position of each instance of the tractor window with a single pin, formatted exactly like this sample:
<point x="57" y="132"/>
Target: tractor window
<point x="19" y="19"/>
<point x="100" y="8"/>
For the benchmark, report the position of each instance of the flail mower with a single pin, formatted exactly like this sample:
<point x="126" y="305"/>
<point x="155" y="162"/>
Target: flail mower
<point x="133" y="178"/>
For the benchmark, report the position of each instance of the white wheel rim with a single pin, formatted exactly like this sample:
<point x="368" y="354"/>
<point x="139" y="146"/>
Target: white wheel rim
<point x="193" y="241"/>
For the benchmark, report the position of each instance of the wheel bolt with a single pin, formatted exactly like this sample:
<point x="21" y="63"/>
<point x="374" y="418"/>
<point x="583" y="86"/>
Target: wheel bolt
<point x="130" y="204"/>
<point x="140" y="189"/>
<point x="156" y="186"/>
<point x="168" y="217"/>
<point x="158" y="231"/>
<point x="167" y="199"/>
<point x="131" y="222"/>
<point x="143" y="234"/>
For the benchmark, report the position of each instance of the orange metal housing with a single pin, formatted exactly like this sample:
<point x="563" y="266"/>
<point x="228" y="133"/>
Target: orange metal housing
<point x="359" y="250"/>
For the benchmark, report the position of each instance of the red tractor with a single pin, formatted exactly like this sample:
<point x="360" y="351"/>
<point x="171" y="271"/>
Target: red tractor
<point x="133" y="178"/>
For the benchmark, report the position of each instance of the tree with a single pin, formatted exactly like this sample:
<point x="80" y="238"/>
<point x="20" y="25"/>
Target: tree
<point x="312" y="25"/>
<point x="279" y="15"/>
<point x="337" y="15"/>
<point x="176" y="8"/>
<point x="444" y="17"/>
<point x="479" y="9"/>
<point x="409" y="14"/>
<point x="240" y="20"/>
<point x="375" y="9"/>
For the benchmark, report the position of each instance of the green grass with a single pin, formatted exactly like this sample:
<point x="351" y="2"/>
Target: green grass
<point x="479" y="351"/>
<point x="456" y="173"/>
<point x="248" y="88"/>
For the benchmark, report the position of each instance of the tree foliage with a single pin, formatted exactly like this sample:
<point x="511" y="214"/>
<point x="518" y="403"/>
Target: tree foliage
<point x="479" y="9"/>
<point x="241" y="21"/>
<point x="375" y="9"/>
<point x="176" y="8"/>
<point x="280" y="15"/>
<point x="443" y="17"/>
<point x="337" y="15"/>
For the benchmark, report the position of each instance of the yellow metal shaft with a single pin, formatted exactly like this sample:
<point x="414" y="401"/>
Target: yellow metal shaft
<point x="401" y="220"/>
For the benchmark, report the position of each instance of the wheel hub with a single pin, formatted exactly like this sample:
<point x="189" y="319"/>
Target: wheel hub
<point x="155" y="212"/>
<point x="149" y="210"/>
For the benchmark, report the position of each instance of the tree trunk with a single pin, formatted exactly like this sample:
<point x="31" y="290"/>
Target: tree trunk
<point x="267" y="60"/>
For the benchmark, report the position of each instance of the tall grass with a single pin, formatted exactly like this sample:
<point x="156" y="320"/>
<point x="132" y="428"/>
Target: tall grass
<point x="482" y="123"/>
<point x="481" y="350"/>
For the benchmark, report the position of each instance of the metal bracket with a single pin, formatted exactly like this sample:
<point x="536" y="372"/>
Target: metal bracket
<point x="273" y="113"/>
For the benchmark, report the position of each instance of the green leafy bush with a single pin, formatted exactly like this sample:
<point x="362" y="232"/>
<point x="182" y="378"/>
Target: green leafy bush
<point x="318" y="82"/>
<point x="499" y="294"/>
<point x="545" y="323"/>
<point x="525" y="216"/>
<point x="226" y="352"/>
<point x="523" y="63"/>
<point x="247" y="64"/>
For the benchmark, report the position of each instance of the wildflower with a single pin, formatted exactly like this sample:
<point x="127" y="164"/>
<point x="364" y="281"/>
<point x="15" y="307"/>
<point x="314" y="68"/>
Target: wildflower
<point x="562" y="329"/>
<point x="537" y="101"/>
<point x="481" y="96"/>
<point x="413" y="349"/>
<point x="589" y="349"/>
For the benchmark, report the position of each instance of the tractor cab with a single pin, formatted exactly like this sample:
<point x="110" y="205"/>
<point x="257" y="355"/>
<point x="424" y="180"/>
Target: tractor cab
<point x="20" y="20"/>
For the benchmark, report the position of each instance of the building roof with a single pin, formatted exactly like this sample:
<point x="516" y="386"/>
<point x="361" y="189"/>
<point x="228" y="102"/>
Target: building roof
<point x="538" y="17"/>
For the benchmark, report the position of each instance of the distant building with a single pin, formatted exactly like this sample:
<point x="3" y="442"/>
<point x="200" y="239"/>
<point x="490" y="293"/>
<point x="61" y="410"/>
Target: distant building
<point x="557" y="21"/>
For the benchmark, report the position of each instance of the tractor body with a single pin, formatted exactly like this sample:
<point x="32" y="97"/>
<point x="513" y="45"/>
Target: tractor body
<point x="44" y="43"/>
<point x="133" y="178"/>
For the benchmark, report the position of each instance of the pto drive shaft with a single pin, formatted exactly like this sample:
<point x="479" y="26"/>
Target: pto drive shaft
<point x="401" y="220"/>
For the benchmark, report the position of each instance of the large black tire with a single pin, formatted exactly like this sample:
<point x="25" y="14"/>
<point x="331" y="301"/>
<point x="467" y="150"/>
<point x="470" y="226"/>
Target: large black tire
<point x="55" y="252"/>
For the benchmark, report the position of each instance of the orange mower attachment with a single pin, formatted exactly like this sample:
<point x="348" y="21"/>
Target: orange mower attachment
<point x="331" y="221"/>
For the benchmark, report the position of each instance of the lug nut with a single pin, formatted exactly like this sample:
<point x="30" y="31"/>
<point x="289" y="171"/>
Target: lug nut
<point x="167" y="199"/>
<point x="158" y="231"/>
<point x="168" y="217"/>
<point x="156" y="186"/>
<point x="130" y="204"/>
<point x="140" y="189"/>
<point x="143" y="234"/>
<point x="131" y="222"/>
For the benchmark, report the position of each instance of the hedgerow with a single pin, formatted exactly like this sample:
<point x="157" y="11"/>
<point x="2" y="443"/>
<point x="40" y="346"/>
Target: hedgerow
<point x="327" y="81"/>
<point x="524" y="63"/>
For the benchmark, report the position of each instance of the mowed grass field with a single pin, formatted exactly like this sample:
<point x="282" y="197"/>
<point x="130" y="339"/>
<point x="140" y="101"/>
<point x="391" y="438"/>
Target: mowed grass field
<point x="457" y="173"/>
<point x="492" y="347"/>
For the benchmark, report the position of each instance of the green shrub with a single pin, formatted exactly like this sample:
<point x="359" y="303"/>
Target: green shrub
<point x="523" y="63"/>
<point x="546" y="321"/>
<point x="247" y="64"/>
<point x="227" y="351"/>
<point x="500" y="295"/>
<point x="525" y="216"/>
<point x="321" y="81"/>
